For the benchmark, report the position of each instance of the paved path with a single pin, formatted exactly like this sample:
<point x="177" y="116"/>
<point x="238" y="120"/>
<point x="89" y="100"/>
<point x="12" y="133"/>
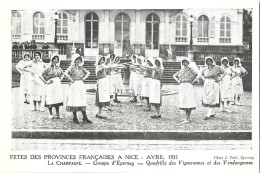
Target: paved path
<point x="50" y="144"/>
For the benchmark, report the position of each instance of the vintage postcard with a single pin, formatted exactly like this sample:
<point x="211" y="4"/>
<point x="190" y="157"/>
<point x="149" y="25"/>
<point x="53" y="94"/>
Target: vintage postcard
<point x="113" y="86"/>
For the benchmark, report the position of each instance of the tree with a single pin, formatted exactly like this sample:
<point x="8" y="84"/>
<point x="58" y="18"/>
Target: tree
<point x="247" y="30"/>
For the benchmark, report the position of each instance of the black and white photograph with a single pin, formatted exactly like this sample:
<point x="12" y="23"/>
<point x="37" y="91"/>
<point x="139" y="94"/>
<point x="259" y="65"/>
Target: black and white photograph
<point x="136" y="79"/>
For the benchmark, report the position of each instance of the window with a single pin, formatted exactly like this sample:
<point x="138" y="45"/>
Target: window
<point x="16" y="25"/>
<point x="180" y="51"/>
<point x="91" y="30"/>
<point x="181" y="29"/>
<point x="38" y="26"/>
<point x="62" y="49"/>
<point x="62" y="27"/>
<point x="152" y="31"/>
<point x="122" y="30"/>
<point x="203" y="29"/>
<point x="225" y="30"/>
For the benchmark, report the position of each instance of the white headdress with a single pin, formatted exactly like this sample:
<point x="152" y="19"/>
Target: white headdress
<point x="151" y="60"/>
<point x="239" y="62"/>
<point x="76" y="56"/>
<point x="141" y="58"/>
<point x="98" y="58"/>
<point x="53" y="56"/>
<point x="184" y="59"/>
<point x="209" y="57"/>
<point x="132" y="58"/>
<point x="224" y="58"/>
<point x="26" y="53"/>
<point x="161" y="62"/>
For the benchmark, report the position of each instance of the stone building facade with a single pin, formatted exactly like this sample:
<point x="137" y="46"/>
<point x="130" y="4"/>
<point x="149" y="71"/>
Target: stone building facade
<point x="151" y="33"/>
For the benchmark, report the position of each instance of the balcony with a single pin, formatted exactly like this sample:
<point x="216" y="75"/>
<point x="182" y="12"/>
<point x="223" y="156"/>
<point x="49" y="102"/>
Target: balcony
<point x="202" y="39"/>
<point x="225" y="40"/>
<point x="38" y="37"/>
<point x="16" y="37"/>
<point x="62" y="37"/>
<point x="180" y="39"/>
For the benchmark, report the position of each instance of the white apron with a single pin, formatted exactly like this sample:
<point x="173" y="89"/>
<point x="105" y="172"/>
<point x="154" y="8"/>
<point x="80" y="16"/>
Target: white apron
<point x="132" y="80"/>
<point x="237" y="85"/>
<point x="155" y="94"/>
<point x="54" y="92"/>
<point x="145" y="87"/>
<point x="186" y="96"/>
<point x="76" y="94"/>
<point x="37" y="89"/>
<point x="103" y="90"/>
<point x="119" y="83"/>
<point x="211" y="92"/>
<point x="226" y="90"/>
<point x="25" y="82"/>
<point x="138" y="83"/>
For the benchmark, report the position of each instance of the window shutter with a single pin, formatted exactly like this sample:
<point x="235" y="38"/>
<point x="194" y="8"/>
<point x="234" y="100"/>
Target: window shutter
<point x="195" y="28"/>
<point x="212" y="27"/>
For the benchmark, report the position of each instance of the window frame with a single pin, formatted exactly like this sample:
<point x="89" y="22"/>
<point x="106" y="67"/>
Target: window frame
<point x="152" y="22"/>
<point x="122" y="21"/>
<point x="91" y="21"/>
<point x="16" y="20"/>
<point x="181" y="37"/>
<point x="39" y="26"/>
<point x="225" y="38"/>
<point x="61" y="35"/>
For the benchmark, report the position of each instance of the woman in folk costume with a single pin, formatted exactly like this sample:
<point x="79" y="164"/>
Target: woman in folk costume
<point x="37" y="85"/>
<point x="103" y="91"/>
<point x="226" y="90"/>
<point x="76" y="100"/>
<point x="139" y="76"/>
<point x="132" y="77"/>
<point x="108" y="77"/>
<point x="118" y="82"/>
<point x="239" y="73"/>
<point x="52" y="78"/>
<point x="147" y="81"/>
<point x="186" y="78"/>
<point x="155" y="97"/>
<point x="210" y="74"/>
<point x="25" y="76"/>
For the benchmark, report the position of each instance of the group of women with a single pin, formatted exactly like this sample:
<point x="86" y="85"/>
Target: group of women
<point x="42" y="83"/>
<point x="222" y="85"/>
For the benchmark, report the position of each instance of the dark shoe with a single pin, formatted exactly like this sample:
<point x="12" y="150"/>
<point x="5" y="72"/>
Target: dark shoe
<point x="155" y="116"/>
<point x="147" y="109"/>
<point x="25" y="102"/>
<point x="212" y="116"/>
<point x="100" y="117"/>
<point x="75" y="120"/>
<point x="207" y="118"/>
<point x="87" y="121"/>
<point x="133" y="101"/>
<point x="116" y="101"/>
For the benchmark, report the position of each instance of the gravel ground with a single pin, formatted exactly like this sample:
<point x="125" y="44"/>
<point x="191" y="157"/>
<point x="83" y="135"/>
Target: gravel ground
<point x="129" y="116"/>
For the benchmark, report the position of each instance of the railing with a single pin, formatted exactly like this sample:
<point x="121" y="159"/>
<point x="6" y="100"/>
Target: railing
<point x="180" y="39"/>
<point x="203" y="40"/>
<point x="225" y="40"/>
<point x="17" y="54"/>
<point x="38" y="37"/>
<point x="200" y="56"/>
<point x="62" y="37"/>
<point x="16" y="36"/>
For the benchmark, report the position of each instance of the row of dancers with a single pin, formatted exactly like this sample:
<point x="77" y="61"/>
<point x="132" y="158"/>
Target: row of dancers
<point x="43" y="83"/>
